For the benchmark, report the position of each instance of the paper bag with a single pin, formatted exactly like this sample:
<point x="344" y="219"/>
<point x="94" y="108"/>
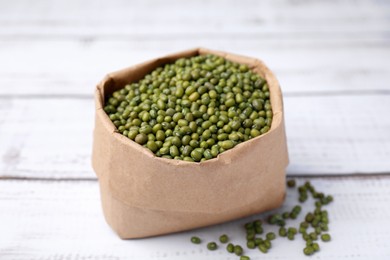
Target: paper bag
<point x="145" y="195"/>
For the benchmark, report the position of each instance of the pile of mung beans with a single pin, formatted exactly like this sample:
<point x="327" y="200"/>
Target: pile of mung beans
<point x="193" y="109"/>
<point x="314" y="226"/>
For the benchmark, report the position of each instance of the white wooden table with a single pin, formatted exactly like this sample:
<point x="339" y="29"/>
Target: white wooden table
<point x="331" y="57"/>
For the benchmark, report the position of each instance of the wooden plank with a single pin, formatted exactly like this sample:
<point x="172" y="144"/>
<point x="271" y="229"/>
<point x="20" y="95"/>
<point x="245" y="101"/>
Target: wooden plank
<point x="63" y="220"/>
<point x="338" y="134"/>
<point x="37" y="135"/>
<point x="360" y="19"/>
<point x="38" y="68"/>
<point x="52" y="138"/>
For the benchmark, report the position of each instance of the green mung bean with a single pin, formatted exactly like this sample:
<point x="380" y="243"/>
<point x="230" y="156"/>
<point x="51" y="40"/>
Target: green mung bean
<point x="258" y="241"/>
<point x="308" y="250"/>
<point x="212" y="246"/>
<point x="224" y="238"/>
<point x="325" y="237"/>
<point x="270" y="236"/>
<point x="316" y="246"/>
<point x="198" y="102"/>
<point x="290" y="236"/>
<point x="267" y="244"/>
<point x="291" y="183"/>
<point x="263" y="248"/>
<point x="251" y="244"/>
<point x="282" y="232"/>
<point x="195" y="240"/>
<point x="230" y="248"/>
<point x="238" y="250"/>
<point x="311" y="228"/>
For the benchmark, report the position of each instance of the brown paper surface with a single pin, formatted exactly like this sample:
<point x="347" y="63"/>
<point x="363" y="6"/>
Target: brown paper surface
<point x="144" y="195"/>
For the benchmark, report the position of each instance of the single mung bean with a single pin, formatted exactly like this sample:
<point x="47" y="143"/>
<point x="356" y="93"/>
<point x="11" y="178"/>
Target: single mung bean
<point x="259" y="230"/>
<point x="152" y="146"/>
<point x="230" y="248"/>
<point x="174" y="151"/>
<point x="313" y="236"/>
<point x="325" y="237"/>
<point x="195" y="240"/>
<point x="212" y="246"/>
<point x="267" y="243"/>
<point x="282" y="232"/>
<point x="196" y="155"/>
<point x="302" y="198"/>
<point x="263" y="248"/>
<point x="224" y="238"/>
<point x="309" y="217"/>
<point x="316" y="246"/>
<point x="228" y="144"/>
<point x="308" y="250"/>
<point x="251" y="244"/>
<point x="304" y="224"/>
<point x="292" y="230"/>
<point x="141" y="138"/>
<point x="244" y="257"/>
<point x="270" y="236"/>
<point x="238" y="250"/>
<point x="250" y="236"/>
<point x="291" y="183"/>
<point x="324" y="220"/>
<point x="302" y="230"/>
<point x="297" y="209"/>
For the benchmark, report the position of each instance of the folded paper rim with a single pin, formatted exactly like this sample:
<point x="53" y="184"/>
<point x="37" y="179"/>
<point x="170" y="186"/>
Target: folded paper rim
<point x="275" y="98"/>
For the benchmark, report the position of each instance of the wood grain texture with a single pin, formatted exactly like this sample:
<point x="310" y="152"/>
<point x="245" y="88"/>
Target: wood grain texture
<point x="166" y="19"/>
<point x="65" y="48"/>
<point x="52" y="138"/>
<point x="63" y="220"/>
<point x="55" y="68"/>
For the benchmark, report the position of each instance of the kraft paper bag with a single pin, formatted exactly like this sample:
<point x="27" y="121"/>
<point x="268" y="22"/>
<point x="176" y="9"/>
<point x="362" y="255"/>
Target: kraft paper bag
<point x="144" y="195"/>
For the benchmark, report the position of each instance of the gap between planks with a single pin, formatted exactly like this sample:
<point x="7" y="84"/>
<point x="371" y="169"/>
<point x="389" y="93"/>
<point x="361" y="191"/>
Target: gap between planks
<point x="361" y="176"/>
